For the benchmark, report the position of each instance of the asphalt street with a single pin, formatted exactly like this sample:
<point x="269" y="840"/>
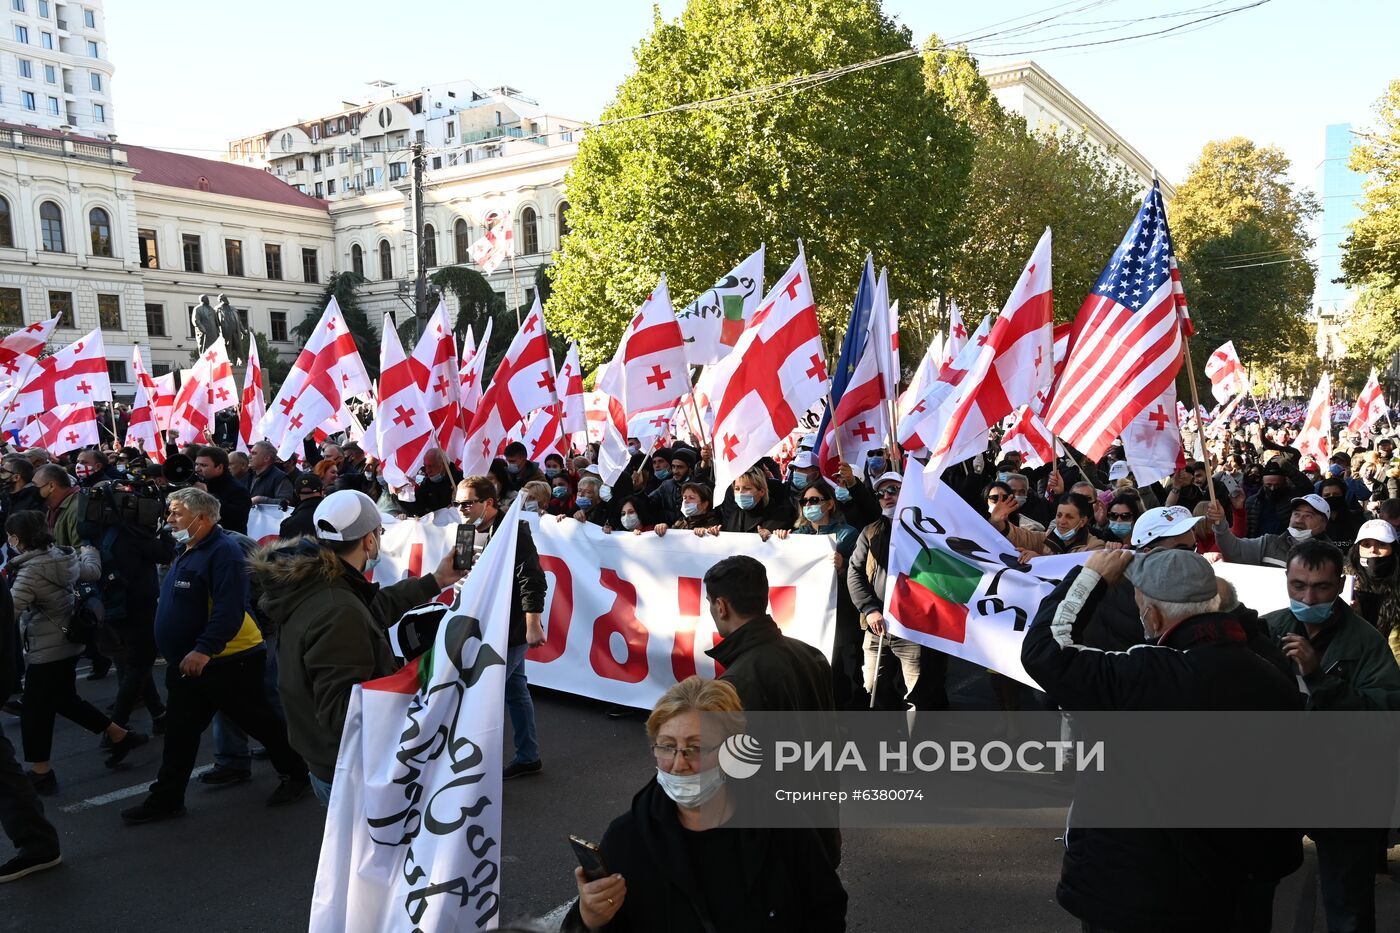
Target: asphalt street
<point x="233" y="864"/>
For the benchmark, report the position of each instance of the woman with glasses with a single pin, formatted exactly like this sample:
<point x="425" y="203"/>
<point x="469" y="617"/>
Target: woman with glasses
<point x="1123" y="512"/>
<point x="677" y="865"/>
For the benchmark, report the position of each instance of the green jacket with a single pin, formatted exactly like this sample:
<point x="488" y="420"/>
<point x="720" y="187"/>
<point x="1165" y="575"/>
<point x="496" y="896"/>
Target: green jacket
<point x="1358" y="670"/>
<point x="65" y="526"/>
<point x="332" y="625"/>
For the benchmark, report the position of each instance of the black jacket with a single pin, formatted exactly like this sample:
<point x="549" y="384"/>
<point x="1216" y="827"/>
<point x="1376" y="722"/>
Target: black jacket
<point x="528" y="587"/>
<point x="301" y="521"/>
<point x="430" y="495"/>
<point x="11" y="665"/>
<point x="773" y="513"/>
<point x="773" y="672"/>
<point x="1157" y="879"/>
<point x="26" y="500"/>
<point x="234" y="502"/>
<point x="273" y="483"/>
<point x="788" y="883"/>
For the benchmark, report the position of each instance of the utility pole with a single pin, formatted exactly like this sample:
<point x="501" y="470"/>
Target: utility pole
<point x="420" y="285"/>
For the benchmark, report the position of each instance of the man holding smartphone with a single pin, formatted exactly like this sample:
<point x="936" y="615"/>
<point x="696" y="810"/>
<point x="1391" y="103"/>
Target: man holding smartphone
<point x="476" y="500"/>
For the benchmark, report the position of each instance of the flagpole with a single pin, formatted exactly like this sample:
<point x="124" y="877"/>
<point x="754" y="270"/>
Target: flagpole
<point x="1196" y="410"/>
<point x="515" y="280"/>
<point x="695" y="407"/>
<point x="112" y="413"/>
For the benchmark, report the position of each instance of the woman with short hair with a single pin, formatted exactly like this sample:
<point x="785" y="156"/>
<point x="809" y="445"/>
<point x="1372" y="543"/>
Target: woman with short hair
<point x="678" y="865"/>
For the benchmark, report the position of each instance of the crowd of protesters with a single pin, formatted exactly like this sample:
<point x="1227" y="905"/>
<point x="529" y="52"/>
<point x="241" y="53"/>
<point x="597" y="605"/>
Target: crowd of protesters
<point x="266" y="643"/>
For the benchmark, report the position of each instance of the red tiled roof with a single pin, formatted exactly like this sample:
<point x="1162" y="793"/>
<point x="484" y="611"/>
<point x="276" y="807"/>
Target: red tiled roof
<point x="158" y="167"/>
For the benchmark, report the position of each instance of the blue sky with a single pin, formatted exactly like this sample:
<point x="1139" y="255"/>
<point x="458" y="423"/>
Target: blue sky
<point x="191" y="76"/>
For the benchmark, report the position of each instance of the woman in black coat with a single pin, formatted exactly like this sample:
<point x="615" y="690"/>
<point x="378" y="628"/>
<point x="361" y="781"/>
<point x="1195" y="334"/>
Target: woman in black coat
<point x="676" y="865"/>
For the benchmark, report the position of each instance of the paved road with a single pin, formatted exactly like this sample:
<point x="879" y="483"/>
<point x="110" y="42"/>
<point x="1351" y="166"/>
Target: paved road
<point x="234" y="865"/>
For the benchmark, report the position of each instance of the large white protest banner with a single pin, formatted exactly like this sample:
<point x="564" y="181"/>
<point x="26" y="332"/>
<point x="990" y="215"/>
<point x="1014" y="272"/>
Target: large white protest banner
<point x="625" y="618"/>
<point x="412" y="838"/>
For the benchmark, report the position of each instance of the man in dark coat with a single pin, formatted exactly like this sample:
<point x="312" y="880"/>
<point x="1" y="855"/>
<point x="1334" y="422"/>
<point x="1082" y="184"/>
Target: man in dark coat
<point x="211" y="466"/>
<point x="309" y="492"/>
<point x="1196" y="658"/>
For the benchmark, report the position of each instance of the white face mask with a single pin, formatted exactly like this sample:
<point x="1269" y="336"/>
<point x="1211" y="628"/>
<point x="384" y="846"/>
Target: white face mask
<point x="690" y="509"/>
<point x="888" y="511"/>
<point x="1300" y="534"/>
<point x="181" y="535"/>
<point x="691" y="790"/>
<point x="630" y="521"/>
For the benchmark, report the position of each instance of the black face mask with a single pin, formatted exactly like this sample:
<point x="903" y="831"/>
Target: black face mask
<point x="1338" y="504"/>
<point x="1277" y="493"/>
<point x="1253" y="479"/>
<point x="1379" y="566"/>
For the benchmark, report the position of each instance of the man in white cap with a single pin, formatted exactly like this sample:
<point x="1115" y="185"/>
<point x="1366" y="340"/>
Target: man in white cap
<point x="1376" y="567"/>
<point x="924" y="671"/>
<point x="333" y="621"/>
<point x="1308" y="521"/>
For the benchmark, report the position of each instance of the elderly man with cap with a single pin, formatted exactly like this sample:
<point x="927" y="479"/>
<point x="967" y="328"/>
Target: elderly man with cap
<point x="1308" y="521"/>
<point x="1268" y="510"/>
<point x="1196" y="658"/>
<point x="215" y="655"/>
<point x="333" y="621"/>
<point x="924" y="671"/>
<point x="1346" y="665"/>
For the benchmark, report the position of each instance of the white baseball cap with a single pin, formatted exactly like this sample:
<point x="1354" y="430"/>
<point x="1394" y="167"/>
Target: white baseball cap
<point x="1118" y="471"/>
<point x="1165" y="522"/>
<point x="804" y="460"/>
<point x="346" y="515"/>
<point x="887" y="476"/>
<point x="1313" y="501"/>
<point x="1377" y="529"/>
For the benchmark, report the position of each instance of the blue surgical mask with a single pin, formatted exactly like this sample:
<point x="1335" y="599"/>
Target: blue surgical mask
<point x="843" y="494"/>
<point x="1003" y="477"/>
<point x="662" y="474"/>
<point x="1310" y="615"/>
<point x="799" y="480"/>
<point x="551" y="472"/>
<point x="530" y="506"/>
<point x="813" y="513"/>
<point x="1120" y="529"/>
<point x="606" y="493"/>
<point x="875" y="464"/>
<point x="560" y="491"/>
<point x="583" y="502"/>
<point x="1065" y="535"/>
<point x="512" y="467"/>
<point x="745" y="500"/>
<point x="690" y="509"/>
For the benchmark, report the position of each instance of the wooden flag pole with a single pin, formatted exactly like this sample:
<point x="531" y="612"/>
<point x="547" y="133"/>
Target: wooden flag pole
<point x="695" y="407"/>
<point x="1196" y="410"/>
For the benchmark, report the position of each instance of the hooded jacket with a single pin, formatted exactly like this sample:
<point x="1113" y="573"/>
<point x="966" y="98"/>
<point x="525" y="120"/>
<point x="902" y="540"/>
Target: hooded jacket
<point x="785" y="883"/>
<point x="333" y="623"/>
<point x="42" y="591"/>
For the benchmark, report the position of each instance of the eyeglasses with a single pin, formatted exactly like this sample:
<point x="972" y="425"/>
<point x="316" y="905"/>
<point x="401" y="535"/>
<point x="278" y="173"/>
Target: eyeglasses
<point x="666" y="754"/>
<point x="1122" y="516"/>
<point x="815" y="500"/>
<point x="998" y="497"/>
<point x="466" y="504"/>
<point x="891" y="492"/>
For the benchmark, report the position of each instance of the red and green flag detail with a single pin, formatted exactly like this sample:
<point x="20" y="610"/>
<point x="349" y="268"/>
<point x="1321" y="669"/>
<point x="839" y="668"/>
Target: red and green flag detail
<point x="933" y="596"/>
<point x="412" y="678"/>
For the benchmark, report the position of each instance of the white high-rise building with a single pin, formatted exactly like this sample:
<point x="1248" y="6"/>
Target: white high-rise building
<point x="54" y="69"/>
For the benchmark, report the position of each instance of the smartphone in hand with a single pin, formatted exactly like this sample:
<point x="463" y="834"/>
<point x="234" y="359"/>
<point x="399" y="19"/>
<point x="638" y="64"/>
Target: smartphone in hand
<point x="589" y="858"/>
<point x="464" y="551"/>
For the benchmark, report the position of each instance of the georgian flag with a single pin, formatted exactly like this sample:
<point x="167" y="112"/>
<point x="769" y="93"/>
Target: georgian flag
<point x="775" y="373"/>
<point x="209" y="390"/>
<point x="402" y="429"/>
<point x="569" y="385"/>
<point x="1370" y="407"/>
<point x="523" y="382"/>
<point x="65" y="428"/>
<point x="75" y="375"/>
<point x="1315" y="438"/>
<point x="434" y="365"/>
<point x="253" y="408"/>
<point x="607" y="427"/>
<point x="496" y="246"/>
<point x="1226" y="373"/>
<point x="472" y="373"/>
<point x="649" y="371"/>
<point x="1152" y="440"/>
<point x="160" y="390"/>
<point x="326" y="372"/>
<point x="141" y="430"/>
<point x="20" y="348"/>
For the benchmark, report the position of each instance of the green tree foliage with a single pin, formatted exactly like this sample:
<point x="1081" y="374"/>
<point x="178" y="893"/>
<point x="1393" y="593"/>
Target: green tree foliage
<point x="476" y="299"/>
<point x="1023" y="181"/>
<point x="871" y="160"/>
<point x="1373" y="249"/>
<point x="1372" y="334"/>
<point x="1240" y="231"/>
<point x="344" y="288"/>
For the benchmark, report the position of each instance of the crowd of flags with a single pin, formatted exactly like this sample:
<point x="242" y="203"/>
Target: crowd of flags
<point x="740" y="369"/>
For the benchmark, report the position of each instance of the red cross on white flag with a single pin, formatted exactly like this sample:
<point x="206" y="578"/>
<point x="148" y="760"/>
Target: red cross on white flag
<point x="75" y="375"/>
<point x="434" y="364"/>
<point x="402" y="430"/>
<point x="21" y="348"/>
<point x="253" y="407"/>
<point x="649" y="370"/>
<point x="209" y="389"/>
<point x="65" y="428"/>
<point x="141" y="430"/>
<point x="472" y="374"/>
<point x="1152" y="441"/>
<point x="522" y="383"/>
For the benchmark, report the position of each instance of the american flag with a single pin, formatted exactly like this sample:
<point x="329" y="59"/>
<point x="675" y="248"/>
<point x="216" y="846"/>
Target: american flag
<point x="1127" y="341"/>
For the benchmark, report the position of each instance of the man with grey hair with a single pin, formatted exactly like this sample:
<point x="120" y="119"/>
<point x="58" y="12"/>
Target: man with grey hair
<point x="1195" y="658"/>
<point x="266" y="480"/>
<point x="215" y="658"/>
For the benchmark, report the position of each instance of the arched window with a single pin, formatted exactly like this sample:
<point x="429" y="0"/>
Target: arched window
<point x="386" y="260"/>
<point x="7" y="230"/>
<point x="51" y="227"/>
<point x="563" y="222"/>
<point x="461" y="241"/>
<point x="357" y="260"/>
<point x="529" y="232"/>
<point x="429" y="246"/>
<point x="100" y="225"/>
